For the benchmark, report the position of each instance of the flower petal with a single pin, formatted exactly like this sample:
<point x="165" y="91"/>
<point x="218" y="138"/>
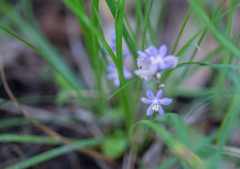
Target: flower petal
<point x="152" y="51"/>
<point x="116" y="82"/>
<point x="146" y="101"/>
<point x="150" y="110"/>
<point x="160" y="110"/>
<point x="142" y="63"/>
<point x="159" y="94"/>
<point x="154" y="69"/>
<point x="125" y="53"/>
<point x="165" y="101"/>
<point x="171" y="61"/>
<point x="113" y="36"/>
<point x="143" y="74"/>
<point x="111" y="67"/>
<point x="110" y="76"/>
<point x="163" y="66"/>
<point x="150" y="95"/>
<point x="141" y="54"/>
<point x="163" y="50"/>
<point x="127" y="74"/>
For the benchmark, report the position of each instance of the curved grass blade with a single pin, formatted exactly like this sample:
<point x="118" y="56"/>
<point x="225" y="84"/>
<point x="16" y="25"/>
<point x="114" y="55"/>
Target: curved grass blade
<point x="65" y="76"/>
<point x="181" y="31"/>
<point x="55" y="153"/>
<point x="146" y="22"/>
<point x="42" y="43"/>
<point x="219" y="37"/>
<point x="19" y="138"/>
<point x="183" y="49"/>
<point x="208" y="64"/>
<point x="224" y="130"/>
<point x="123" y="87"/>
<point x="139" y="19"/>
<point x="197" y="147"/>
<point x="83" y="17"/>
<point x="126" y="35"/>
<point x="178" y="148"/>
<point x="119" y="32"/>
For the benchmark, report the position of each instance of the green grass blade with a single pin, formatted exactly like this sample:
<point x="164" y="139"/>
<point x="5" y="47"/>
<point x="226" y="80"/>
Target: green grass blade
<point x="178" y="148"/>
<point x="55" y="153"/>
<point x="224" y="131"/>
<point x="181" y="31"/>
<point x="43" y="44"/>
<point x="119" y="32"/>
<point x="146" y="22"/>
<point x="139" y="19"/>
<point x="219" y="37"/>
<point x="19" y="138"/>
<point x="83" y="17"/>
<point x="127" y="37"/>
<point x="208" y="64"/>
<point x="64" y="74"/>
<point x="123" y="87"/>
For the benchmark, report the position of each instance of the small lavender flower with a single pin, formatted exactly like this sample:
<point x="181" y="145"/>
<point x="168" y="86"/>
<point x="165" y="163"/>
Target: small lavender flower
<point x="156" y="102"/>
<point x="159" y="60"/>
<point x="113" y="74"/>
<point x="153" y="61"/>
<point x="144" y="71"/>
<point x="125" y="53"/>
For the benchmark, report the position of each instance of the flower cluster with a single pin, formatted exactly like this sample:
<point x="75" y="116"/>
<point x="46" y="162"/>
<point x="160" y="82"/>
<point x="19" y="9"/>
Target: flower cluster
<point x="151" y="64"/>
<point x="113" y="74"/>
<point x="125" y="53"/>
<point x="153" y="61"/>
<point x="111" y="68"/>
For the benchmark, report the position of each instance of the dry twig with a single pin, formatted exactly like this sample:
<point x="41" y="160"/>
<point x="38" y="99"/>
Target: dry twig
<point x="44" y="128"/>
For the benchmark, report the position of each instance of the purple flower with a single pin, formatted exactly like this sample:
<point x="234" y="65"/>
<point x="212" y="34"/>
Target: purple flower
<point x="153" y="61"/>
<point x="156" y="102"/>
<point x="159" y="60"/>
<point x="144" y="71"/>
<point x="113" y="74"/>
<point x="125" y="53"/>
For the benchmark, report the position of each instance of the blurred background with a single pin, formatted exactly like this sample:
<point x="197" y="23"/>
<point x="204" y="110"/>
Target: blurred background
<point x="200" y="99"/>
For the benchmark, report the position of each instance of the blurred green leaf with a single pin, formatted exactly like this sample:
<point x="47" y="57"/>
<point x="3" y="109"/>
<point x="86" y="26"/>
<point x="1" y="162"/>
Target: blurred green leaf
<point x="115" y="145"/>
<point x="55" y="153"/>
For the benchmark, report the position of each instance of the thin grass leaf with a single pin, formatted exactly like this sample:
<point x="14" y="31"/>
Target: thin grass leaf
<point x="196" y="45"/>
<point x="129" y="41"/>
<point x="139" y="19"/>
<point x="19" y="138"/>
<point x="224" y="131"/>
<point x="175" y="121"/>
<point x="119" y="31"/>
<point x="123" y="87"/>
<point x="209" y="64"/>
<point x="178" y="148"/>
<point x="151" y="32"/>
<point x="43" y="44"/>
<point x="196" y="148"/>
<point x="148" y="4"/>
<point x="81" y="15"/>
<point x="64" y="74"/>
<point x="217" y="18"/>
<point x="221" y="39"/>
<point x="181" y="31"/>
<point x="55" y="153"/>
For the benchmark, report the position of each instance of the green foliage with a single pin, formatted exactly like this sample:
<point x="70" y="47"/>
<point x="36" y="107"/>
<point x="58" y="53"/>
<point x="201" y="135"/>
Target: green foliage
<point x="115" y="145"/>
<point x="184" y="144"/>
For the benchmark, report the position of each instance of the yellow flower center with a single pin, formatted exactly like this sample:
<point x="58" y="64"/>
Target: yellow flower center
<point x="155" y="107"/>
